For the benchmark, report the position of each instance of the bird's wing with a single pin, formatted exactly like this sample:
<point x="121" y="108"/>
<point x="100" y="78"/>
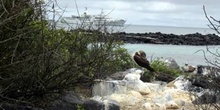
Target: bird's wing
<point x="141" y="60"/>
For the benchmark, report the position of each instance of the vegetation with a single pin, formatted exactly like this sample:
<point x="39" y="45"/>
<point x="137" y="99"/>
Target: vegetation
<point x="39" y="62"/>
<point x="162" y="72"/>
<point x="212" y="80"/>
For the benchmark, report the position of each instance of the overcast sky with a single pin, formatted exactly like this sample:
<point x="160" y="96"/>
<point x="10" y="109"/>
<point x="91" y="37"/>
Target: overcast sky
<point x="181" y="13"/>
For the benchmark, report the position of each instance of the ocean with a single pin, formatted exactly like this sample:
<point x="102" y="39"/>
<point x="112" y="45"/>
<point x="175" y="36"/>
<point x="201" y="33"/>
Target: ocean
<point x="180" y="53"/>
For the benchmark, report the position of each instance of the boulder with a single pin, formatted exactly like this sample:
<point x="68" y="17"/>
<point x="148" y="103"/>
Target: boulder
<point x="134" y="83"/>
<point x="171" y="105"/>
<point x="93" y="105"/>
<point x="104" y="88"/>
<point x="99" y="103"/>
<point x="171" y="63"/>
<point x="206" y="97"/>
<point x="147" y="106"/>
<point x="130" y="98"/>
<point x="122" y="74"/>
<point x="68" y="101"/>
<point x="111" y="105"/>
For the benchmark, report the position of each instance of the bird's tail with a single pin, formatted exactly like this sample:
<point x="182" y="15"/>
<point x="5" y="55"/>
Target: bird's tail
<point x="151" y="69"/>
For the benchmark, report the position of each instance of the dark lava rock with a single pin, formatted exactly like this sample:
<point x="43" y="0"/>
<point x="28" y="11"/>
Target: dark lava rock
<point x="160" y="38"/>
<point x="72" y="101"/>
<point x="95" y="105"/>
<point x="69" y="101"/>
<point x="205" y="99"/>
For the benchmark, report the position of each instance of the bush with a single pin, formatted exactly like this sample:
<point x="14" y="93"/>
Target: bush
<point x="39" y="62"/>
<point x="162" y="72"/>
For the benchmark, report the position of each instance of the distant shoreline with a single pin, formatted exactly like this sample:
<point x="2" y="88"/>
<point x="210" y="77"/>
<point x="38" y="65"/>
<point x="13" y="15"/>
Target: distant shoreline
<point x="174" y="39"/>
<point x="166" y="29"/>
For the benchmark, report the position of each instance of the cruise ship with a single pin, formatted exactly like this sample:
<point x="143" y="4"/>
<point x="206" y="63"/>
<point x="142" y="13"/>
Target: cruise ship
<point x="93" y="20"/>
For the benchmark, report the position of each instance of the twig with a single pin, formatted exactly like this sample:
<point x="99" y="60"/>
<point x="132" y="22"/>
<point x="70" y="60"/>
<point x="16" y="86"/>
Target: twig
<point x="3" y="6"/>
<point x="13" y="55"/>
<point x="15" y="100"/>
<point x="8" y="39"/>
<point x="213" y="26"/>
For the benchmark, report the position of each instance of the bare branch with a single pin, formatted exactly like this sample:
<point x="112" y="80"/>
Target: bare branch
<point x="13" y="55"/>
<point x="3" y="6"/>
<point x="213" y="26"/>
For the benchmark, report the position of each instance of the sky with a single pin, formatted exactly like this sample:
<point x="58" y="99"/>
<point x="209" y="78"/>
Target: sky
<point x="178" y="13"/>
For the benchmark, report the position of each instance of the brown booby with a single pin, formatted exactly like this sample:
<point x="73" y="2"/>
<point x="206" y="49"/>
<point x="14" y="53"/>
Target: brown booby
<point x="188" y="68"/>
<point x="141" y="60"/>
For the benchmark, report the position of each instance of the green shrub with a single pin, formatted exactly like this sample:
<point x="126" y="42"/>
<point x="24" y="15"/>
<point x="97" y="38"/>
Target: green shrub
<point x="38" y="62"/>
<point x="162" y="72"/>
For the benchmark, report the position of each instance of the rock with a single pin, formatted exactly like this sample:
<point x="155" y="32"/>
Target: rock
<point x="136" y="84"/>
<point x="160" y="106"/>
<point x="121" y="75"/>
<point x="163" y="99"/>
<point x="158" y="95"/>
<point x="164" y="77"/>
<point x="130" y="98"/>
<point x="161" y="38"/>
<point x="155" y="87"/>
<point x="180" y="83"/>
<point x="171" y="63"/>
<point x="147" y="106"/>
<point x="177" y="94"/>
<point x="131" y="81"/>
<point x="132" y="77"/>
<point x="205" y="98"/>
<point x="199" y="81"/>
<point x="93" y="105"/>
<point x="109" y="87"/>
<point x="199" y="69"/>
<point x="108" y="103"/>
<point x="69" y="101"/>
<point x="183" y="84"/>
<point x="171" y="105"/>
<point x="111" y="105"/>
<point x="101" y="105"/>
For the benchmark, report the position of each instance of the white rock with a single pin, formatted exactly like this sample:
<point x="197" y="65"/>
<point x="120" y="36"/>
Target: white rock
<point x="132" y="77"/>
<point x="155" y="87"/>
<point x="147" y="106"/>
<point x="163" y="99"/>
<point x="171" y="105"/>
<point x="130" y="98"/>
<point x="171" y="63"/>
<point x="180" y="83"/>
<point x="160" y="106"/>
<point x="109" y="87"/>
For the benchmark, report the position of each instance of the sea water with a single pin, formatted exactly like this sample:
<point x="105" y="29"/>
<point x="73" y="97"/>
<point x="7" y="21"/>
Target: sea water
<point x="166" y="29"/>
<point x="193" y="55"/>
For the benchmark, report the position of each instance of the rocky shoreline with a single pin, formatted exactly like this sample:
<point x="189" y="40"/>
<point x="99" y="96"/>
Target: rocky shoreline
<point x="161" y="38"/>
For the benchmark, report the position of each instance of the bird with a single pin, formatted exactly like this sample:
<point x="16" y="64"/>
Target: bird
<point x="188" y="68"/>
<point x="141" y="60"/>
